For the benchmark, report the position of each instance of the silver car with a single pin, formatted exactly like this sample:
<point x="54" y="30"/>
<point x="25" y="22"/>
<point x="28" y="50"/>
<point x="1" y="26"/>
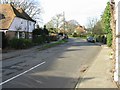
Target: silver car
<point x="91" y="39"/>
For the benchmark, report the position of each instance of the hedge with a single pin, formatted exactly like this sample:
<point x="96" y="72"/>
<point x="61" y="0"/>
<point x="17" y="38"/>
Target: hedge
<point x="20" y="43"/>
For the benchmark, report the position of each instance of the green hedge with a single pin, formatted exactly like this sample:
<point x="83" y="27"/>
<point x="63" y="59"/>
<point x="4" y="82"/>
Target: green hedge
<point x="39" y="39"/>
<point x="20" y="43"/>
<point x="109" y="39"/>
<point x="53" y="38"/>
<point x="75" y="34"/>
<point x="98" y="38"/>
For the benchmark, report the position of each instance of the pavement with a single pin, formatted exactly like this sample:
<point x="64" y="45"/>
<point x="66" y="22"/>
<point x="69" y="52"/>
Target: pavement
<point x="99" y="75"/>
<point x="16" y="53"/>
<point x="7" y="54"/>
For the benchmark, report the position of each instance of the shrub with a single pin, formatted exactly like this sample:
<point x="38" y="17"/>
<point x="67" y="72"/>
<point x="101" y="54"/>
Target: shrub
<point x="27" y="42"/>
<point x="109" y="39"/>
<point x="98" y="38"/>
<point x="53" y="37"/>
<point x="4" y="40"/>
<point x="75" y="35"/>
<point x="20" y="43"/>
<point x="39" y="39"/>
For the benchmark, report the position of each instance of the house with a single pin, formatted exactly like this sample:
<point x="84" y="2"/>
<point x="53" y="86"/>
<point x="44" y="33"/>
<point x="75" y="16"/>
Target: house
<point x="115" y="26"/>
<point x="15" y="22"/>
<point x="80" y="29"/>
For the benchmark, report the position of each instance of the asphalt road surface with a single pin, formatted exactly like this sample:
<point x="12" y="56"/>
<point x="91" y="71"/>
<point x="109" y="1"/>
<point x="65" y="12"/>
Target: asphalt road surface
<point x="57" y="67"/>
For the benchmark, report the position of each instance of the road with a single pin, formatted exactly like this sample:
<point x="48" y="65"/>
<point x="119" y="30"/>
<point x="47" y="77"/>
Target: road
<point x="57" y="67"/>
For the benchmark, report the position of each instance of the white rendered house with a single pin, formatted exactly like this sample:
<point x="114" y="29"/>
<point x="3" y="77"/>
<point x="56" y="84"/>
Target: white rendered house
<point x="116" y="4"/>
<point x="15" y="22"/>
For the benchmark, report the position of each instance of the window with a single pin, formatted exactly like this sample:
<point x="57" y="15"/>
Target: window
<point x="23" y="34"/>
<point x="2" y="16"/>
<point x="30" y="35"/>
<point x="30" y="23"/>
<point x="21" y="21"/>
<point x="20" y="34"/>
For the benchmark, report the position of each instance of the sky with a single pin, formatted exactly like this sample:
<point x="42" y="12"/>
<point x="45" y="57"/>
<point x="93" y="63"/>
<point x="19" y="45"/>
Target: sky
<point x="79" y="10"/>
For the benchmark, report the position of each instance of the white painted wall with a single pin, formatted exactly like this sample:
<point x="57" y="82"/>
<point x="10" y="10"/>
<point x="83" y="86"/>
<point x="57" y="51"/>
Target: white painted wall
<point x="25" y="25"/>
<point x="31" y="26"/>
<point x="117" y="18"/>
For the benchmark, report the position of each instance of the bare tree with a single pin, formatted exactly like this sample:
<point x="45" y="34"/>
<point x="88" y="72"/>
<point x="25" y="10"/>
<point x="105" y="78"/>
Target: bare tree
<point x="71" y="26"/>
<point x="58" y="20"/>
<point x="50" y="24"/>
<point x="98" y="28"/>
<point x="91" y="23"/>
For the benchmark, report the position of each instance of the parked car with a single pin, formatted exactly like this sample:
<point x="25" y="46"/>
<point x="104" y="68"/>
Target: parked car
<point x="65" y="36"/>
<point x="91" y="39"/>
<point x="62" y="36"/>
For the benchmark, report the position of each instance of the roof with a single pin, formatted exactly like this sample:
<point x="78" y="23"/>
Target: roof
<point x="80" y="28"/>
<point x="23" y="14"/>
<point x="8" y="13"/>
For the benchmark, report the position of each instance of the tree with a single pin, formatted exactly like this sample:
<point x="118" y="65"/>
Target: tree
<point x="51" y="27"/>
<point x="91" y="24"/>
<point x="50" y="24"/>
<point x="58" y="20"/>
<point x="71" y="26"/>
<point x="31" y="7"/>
<point x="97" y="29"/>
<point x="106" y="18"/>
<point x="55" y="23"/>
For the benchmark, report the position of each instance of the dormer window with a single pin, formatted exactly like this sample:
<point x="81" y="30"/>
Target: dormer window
<point x="2" y="16"/>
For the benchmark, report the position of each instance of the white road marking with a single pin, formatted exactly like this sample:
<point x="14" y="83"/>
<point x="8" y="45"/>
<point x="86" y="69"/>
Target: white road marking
<point x="22" y="73"/>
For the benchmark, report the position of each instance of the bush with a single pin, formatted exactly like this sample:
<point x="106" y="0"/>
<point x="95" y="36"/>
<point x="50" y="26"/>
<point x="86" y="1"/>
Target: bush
<point x="53" y="37"/>
<point x="75" y="35"/>
<point x="109" y="39"/>
<point x="27" y="42"/>
<point x="20" y="43"/>
<point x="4" y="40"/>
<point x="39" y="39"/>
<point x="98" y="38"/>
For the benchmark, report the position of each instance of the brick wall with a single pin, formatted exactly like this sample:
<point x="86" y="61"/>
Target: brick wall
<point x="10" y="34"/>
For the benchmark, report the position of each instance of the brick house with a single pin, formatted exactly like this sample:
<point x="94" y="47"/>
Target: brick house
<point x="80" y="30"/>
<point x="15" y="22"/>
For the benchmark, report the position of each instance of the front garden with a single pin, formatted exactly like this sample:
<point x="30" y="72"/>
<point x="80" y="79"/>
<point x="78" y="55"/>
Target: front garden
<point x="38" y="38"/>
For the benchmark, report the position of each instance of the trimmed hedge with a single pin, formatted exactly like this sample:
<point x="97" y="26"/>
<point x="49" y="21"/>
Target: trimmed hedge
<point x="20" y="43"/>
<point x="53" y="38"/>
<point x="75" y="34"/>
<point x="109" y="39"/>
<point x="39" y="39"/>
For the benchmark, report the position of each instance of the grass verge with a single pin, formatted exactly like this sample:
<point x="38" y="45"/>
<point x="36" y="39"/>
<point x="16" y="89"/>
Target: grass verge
<point x="46" y="46"/>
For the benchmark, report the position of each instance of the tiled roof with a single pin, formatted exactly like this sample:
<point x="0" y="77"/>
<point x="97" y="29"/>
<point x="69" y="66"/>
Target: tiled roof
<point x="23" y="14"/>
<point x="8" y="13"/>
<point x="80" y="28"/>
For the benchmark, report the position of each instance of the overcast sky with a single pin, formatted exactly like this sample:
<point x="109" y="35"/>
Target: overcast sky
<point x="79" y="10"/>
